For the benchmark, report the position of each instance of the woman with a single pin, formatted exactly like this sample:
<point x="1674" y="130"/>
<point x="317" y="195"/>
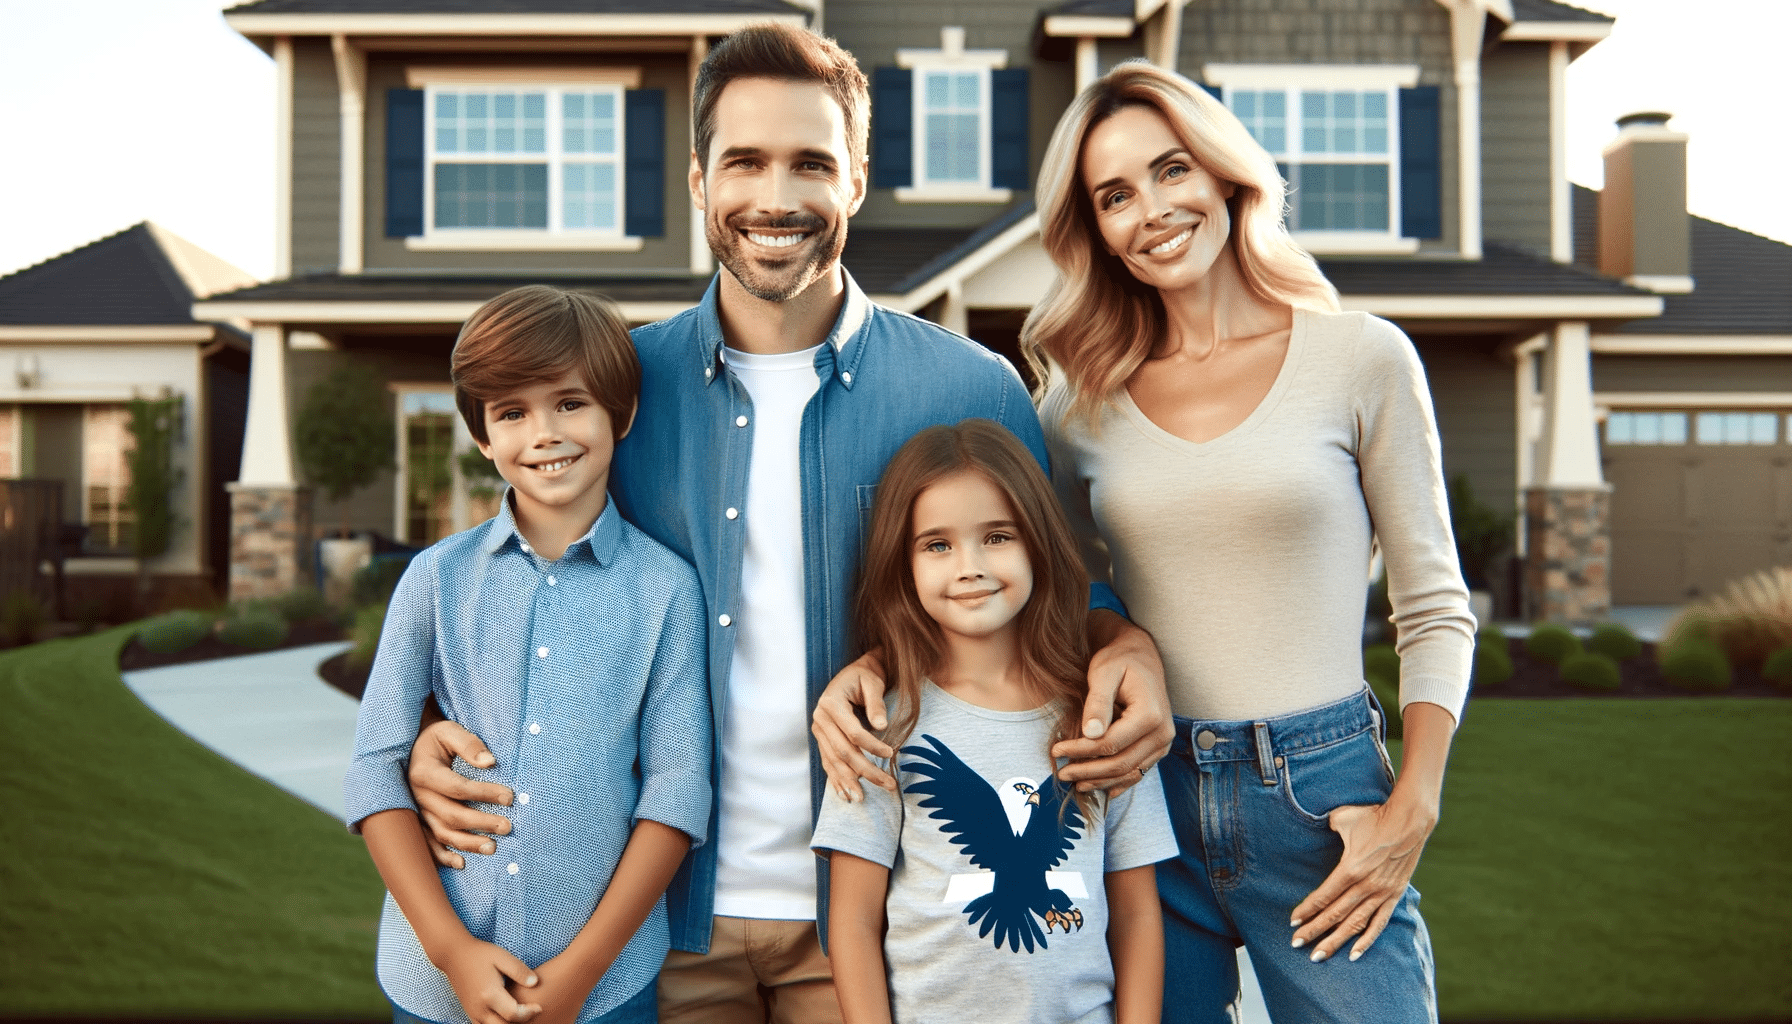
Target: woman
<point x="1226" y="442"/>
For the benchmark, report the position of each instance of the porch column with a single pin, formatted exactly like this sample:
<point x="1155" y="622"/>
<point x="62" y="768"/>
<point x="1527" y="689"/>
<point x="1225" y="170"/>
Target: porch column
<point x="270" y="514"/>
<point x="1088" y="62"/>
<point x="1568" y="505"/>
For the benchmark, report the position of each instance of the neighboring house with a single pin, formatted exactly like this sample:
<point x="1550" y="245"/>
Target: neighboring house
<point x="434" y="152"/>
<point x="86" y="332"/>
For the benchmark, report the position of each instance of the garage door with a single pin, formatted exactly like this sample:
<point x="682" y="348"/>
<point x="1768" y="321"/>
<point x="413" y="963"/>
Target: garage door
<point x="1699" y="498"/>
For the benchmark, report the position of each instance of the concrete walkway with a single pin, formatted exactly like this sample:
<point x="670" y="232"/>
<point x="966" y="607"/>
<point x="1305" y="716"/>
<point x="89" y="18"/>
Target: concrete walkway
<point x="273" y="715"/>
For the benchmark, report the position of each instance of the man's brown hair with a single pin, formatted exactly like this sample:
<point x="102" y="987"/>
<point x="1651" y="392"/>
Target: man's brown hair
<point x="785" y="54"/>
<point x="537" y="333"/>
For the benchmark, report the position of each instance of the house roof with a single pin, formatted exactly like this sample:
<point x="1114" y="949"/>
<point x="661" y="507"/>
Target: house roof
<point x="1094" y="8"/>
<point x="516" y="7"/>
<point x="141" y="275"/>
<point x="1550" y="10"/>
<point x="1742" y="282"/>
<point x="452" y="287"/>
<point x="1502" y="270"/>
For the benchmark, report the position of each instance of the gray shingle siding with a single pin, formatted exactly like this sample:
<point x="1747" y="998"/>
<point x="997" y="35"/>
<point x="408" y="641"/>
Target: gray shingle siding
<point x="316" y="157"/>
<point x="1515" y="183"/>
<point x="1691" y="373"/>
<point x="1473" y="392"/>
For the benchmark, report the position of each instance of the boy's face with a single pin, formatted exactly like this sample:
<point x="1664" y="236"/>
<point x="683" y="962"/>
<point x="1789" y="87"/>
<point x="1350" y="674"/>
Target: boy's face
<point x="552" y="442"/>
<point x="780" y="185"/>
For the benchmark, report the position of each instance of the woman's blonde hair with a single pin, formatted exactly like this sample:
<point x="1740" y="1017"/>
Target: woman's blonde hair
<point x="1098" y="323"/>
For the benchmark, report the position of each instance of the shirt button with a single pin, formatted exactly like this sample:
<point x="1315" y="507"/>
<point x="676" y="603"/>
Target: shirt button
<point x="725" y="619"/>
<point x="525" y="549"/>
<point x="708" y="372"/>
<point x="740" y="421"/>
<point x="541" y="652"/>
<point x="522" y="798"/>
<point x="512" y="868"/>
<point x="846" y="377"/>
<point x="535" y="728"/>
<point x="551" y="581"/>
<point x="733" y="513"/>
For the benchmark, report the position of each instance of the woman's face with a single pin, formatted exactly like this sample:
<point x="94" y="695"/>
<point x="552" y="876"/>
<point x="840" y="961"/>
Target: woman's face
<point x="1156" y="208"/>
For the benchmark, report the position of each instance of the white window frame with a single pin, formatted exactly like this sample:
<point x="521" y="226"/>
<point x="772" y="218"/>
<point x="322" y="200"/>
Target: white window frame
<point x="458" y="518"/>
<point x="1294" y="79"/>
<point x="555" y="83"/>
<point x="951" y="57"/>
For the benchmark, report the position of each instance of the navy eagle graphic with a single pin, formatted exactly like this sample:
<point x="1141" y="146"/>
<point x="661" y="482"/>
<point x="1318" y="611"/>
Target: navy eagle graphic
<point x="975" y="821"/>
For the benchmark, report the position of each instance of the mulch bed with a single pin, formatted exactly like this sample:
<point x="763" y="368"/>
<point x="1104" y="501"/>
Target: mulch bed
<point x="1637" y="677"/>
<point x="136" y="656"/>
<point x="348" y="678"/>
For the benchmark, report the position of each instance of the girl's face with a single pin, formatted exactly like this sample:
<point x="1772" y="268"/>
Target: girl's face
<point x="971" y="569"/>
<point x="1156" y="208"/>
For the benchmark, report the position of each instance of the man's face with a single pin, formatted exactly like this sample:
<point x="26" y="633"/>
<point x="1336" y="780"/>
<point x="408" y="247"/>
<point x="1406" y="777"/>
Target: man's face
<point x="779" y="187"/>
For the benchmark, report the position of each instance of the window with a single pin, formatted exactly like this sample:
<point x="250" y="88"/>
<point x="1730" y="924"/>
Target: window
<point x="1334" y="132"/>
<point x="1650" y="428"/>
<point x="1737" y="427"/>
<point x="954" y="146"/>
<point x="436" y="496"/>
<point x="950" y="125"/>
<point x="105" y="477"/>
<point x="525" y="159"/>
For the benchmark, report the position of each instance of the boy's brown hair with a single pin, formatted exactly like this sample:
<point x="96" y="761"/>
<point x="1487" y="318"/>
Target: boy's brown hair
<point x="537" y="333"/>
<point x="785" y="54"/>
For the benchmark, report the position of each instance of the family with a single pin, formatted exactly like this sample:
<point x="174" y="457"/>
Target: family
<point x="812" y="672"/>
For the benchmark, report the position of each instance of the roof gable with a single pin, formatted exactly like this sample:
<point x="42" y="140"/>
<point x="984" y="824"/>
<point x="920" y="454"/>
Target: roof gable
<point x="141" y="275"/>
<point x="1550" y="10"/>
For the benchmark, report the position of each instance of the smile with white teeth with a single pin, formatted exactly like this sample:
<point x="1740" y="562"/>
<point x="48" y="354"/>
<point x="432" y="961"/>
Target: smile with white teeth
<point x="776" y="241"/>
<point x="1159" y="250"/>
<point x="558" y="464"/>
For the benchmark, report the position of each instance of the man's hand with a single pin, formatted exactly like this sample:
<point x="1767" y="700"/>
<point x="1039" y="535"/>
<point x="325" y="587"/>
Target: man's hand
<point x="842" y="738"/>
<point x="1125" y="673"/>
<point x="440" y="791"/>
<point x="480" y="973"/>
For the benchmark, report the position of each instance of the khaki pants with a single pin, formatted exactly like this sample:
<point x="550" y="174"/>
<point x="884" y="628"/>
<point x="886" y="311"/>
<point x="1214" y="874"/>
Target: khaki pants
<point x="755" y="971"/>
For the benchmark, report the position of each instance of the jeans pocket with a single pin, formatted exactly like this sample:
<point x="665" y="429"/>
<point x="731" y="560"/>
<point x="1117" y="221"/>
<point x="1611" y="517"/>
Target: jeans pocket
<point x="1320" y="780"/>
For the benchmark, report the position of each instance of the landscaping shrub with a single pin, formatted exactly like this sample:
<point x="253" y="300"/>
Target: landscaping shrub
<point x="374" y="582"/>
<point x="256" y="628"/>
<point x="175" y="631"/>
<point x="1777" y="669"/>
<point x="1552" y="643"/>
<point x="366" y="634"/>
<point x="306" y="604"/>
<point x="1493" y="659"/>
<point x="1694" y="664"/>
<point x="1750" y="618"/>
<point x="1591" y="670"/>
<point x="21" y="619"/>
<point x="1615" y="641"/>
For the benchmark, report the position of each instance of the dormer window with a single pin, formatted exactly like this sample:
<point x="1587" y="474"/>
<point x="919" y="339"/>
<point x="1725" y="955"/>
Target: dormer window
<point x="950" y="125"/>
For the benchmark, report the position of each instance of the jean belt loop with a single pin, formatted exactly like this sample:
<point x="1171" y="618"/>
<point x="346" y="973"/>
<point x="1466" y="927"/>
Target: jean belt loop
<point x="1266" y="765"/>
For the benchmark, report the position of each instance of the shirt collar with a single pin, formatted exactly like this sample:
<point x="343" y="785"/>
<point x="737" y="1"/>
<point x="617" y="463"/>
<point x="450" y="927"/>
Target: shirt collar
<point x="852" y="324"/>
<point x="603" y="538"/>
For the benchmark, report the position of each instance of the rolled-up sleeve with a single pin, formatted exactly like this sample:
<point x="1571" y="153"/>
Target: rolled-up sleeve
<point x="676" y="745"/>
<point x="400" y="681"/>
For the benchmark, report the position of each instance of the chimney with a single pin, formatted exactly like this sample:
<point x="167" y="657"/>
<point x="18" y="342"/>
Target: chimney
<point x="1644" y="234"/>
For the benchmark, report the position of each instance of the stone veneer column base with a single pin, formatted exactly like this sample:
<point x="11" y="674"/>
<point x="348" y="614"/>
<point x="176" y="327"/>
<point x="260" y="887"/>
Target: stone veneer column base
<point x="1567" y="562"/>
<point x="270" y="540"/>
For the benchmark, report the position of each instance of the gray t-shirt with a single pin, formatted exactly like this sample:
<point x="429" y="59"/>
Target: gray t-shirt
<point x="997" y="909"/>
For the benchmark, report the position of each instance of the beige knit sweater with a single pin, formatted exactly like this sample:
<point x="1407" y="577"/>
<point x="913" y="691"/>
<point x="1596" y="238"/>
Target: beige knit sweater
<point x="1246" y="557"/>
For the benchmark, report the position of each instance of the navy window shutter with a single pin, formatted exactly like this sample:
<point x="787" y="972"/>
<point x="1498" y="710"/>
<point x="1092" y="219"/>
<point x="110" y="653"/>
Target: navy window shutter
<point x="1421" y="164"/>
<point x="892" y="125"/>
<point x="1008" y="151"/>
<point x="644" y="156"/>
<point x="1214" y="91"/>
<point x="404" y="163"/>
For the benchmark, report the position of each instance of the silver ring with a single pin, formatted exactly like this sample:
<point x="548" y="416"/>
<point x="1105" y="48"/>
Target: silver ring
<point x="1141" y="771"/>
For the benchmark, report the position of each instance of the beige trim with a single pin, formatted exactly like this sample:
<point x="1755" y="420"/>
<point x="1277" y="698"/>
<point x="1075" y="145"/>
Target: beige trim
<point x="205" y="274"/>
<point x="520" y="241"/>
<point x="1467" y="21"/>
<point x="1489" y="307"/>
<point x="351" y="86"/>
<point x="1662" y="284"/>
<point x="953" y="194"/>
<point x="703" y="262"/>
<point x="1693" y="399"/>
<point x="1299" y="76"/>
<point x="1693" y="344"/>
<point x="283" y="86"/>
<point x="444" y="312"/>
<point x="420" y="77"/>
<point x="1642" y="133"/>
<point x="502" y="24"/>
<point x="1561" y="198"/>
<point x="1075" y="26"/>
<point x="1088" y="62"/>
<point x="110" y="334"/>
<point x="1162" y="32"/>
<point x="1340" y="243"/>
<point x="1556" y="31"/>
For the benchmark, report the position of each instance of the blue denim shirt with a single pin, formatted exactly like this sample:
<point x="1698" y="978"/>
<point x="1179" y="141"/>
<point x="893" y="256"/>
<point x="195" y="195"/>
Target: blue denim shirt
<point x="585" y="677"/>
<point x="884" y="376"/>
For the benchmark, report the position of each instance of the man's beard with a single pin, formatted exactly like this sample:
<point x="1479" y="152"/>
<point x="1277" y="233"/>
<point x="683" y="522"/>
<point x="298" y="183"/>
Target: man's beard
<point x="780" y="282"/>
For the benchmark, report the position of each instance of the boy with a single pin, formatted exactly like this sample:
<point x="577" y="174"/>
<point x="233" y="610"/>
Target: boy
<point x="575" y="645"/>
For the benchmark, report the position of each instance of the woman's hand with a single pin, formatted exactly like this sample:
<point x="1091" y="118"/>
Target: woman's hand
<point x="1381" y="845"/>
<point x="439" y="791"/>
<point x="1127" y="673"/>
<point x="842" y="738"/>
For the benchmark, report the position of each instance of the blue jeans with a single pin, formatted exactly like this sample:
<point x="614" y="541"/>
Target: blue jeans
<point x="1248" y="801"/>
<point x="640" y="1008"/>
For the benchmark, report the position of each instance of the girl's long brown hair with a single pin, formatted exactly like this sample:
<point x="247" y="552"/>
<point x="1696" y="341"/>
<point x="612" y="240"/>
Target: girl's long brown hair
<point x="1052" y="645"/>
<point x="1098" y="323"/>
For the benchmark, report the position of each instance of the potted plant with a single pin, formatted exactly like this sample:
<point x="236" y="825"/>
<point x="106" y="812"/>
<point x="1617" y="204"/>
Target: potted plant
<point x="343" y="438"/>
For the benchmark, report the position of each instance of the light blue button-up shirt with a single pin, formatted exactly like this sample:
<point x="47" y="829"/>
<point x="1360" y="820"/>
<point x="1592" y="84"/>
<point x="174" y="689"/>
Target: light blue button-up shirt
<point x="883" y="376"/>
<point x="585" y="678"/>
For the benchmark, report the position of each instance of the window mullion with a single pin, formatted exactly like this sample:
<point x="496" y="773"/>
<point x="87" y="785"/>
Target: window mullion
<point x="556" y="158"/>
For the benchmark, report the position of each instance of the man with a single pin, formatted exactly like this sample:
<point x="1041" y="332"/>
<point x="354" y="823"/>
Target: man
<point x="767" y="414"/>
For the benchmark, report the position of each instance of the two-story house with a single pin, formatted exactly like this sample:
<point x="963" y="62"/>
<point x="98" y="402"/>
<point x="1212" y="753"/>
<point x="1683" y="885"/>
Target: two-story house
<point x="433" y="153"/>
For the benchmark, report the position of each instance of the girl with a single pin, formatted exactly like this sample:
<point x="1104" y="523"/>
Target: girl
<point x="981" y="891"/>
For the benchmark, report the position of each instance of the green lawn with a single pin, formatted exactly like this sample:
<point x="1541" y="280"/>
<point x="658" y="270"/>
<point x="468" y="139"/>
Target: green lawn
<point x="1597" y="859"/>
<point x="145" y="875"/>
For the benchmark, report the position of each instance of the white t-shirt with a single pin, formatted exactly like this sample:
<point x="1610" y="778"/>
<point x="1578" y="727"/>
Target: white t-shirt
<point x="764" y="867"/>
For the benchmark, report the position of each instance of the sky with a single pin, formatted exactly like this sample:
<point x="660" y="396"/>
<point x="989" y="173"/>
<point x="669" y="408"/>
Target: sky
<point x="118" y="111"/>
